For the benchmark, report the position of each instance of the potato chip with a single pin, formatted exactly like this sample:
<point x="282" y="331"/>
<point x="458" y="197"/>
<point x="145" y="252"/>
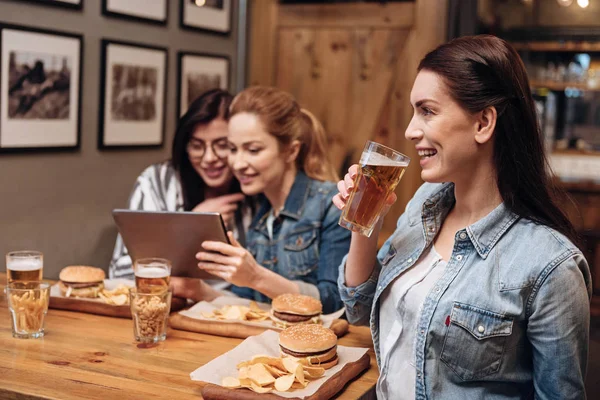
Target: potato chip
<point x="273" y="361"/>
<point x="298" y="385"/>
<point x="254" y="306"/>
<point x="276" y="372"/>
<point x="284" y="383"/>
<point x="313" y="372"/>
<point x="259" y="389"/>
<point x="259" y="375"/>
<point x="243" y="373"/>
<point x="231" y="382"/>
<point x="242" y="364"/>
<point x="233" y="313"/>
<point x="290" y="364"/>
<point x="245" y="382"/>
<point x="299" y="373"/>
<point x="120" y="300"/>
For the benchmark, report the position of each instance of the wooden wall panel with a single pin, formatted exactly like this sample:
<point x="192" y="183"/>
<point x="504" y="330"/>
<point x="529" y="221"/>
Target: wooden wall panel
<point x="353" y="66"/>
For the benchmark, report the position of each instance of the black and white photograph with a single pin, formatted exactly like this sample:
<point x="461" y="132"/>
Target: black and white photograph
<point x="74" y="4"/>
<point x="133" y="84"/>
<point x="133" y="93"/>
<point x="199" y="73"/>
<point x="152" y="11"/>
<point x="38" y="85"/>
<point x="40" y="89"/>
<point x="206" y="15"/>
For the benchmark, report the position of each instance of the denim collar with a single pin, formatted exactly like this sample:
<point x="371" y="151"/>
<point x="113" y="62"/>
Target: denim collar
<point x="294" y="203"/>
<point x="486" y="232"/>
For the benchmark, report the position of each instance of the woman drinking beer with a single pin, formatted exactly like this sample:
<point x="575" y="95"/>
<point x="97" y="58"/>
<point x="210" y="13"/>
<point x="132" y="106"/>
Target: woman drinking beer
<point x="196" y="178"/>
<point x="294" y="243"/>
<point x="480" y="293"/>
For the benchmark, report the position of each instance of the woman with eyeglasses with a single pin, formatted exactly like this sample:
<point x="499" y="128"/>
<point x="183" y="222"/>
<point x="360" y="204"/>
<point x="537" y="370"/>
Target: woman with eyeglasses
<point x="196" y="178"/>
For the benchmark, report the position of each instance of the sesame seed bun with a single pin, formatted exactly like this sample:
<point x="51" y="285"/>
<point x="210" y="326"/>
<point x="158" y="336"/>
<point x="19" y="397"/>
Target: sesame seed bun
<point x="313" y="342"/>
<point x="307" y="338"/>
<point x="81" y="274"/>
<point x="81" y="281"/>
<point x="297" y="304"/>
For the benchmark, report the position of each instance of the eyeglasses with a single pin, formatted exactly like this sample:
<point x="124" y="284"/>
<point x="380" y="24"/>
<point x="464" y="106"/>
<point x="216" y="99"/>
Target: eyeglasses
<point x="196" y="148"/>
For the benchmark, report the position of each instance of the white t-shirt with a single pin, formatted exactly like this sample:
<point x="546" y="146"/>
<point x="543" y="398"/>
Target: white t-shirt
<point x="399" y="313"/>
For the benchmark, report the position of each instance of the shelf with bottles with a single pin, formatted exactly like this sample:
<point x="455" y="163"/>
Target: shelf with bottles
<point x="558" y="46"/>
<point x="562" y="86"/>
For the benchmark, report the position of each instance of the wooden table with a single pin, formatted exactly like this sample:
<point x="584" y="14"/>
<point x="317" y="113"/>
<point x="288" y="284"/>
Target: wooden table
<point x="85" y="356"/>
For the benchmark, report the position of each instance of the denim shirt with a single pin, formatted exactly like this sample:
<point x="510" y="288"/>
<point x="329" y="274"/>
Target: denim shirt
<point x="508" y="319"/>
<point x="307" y="245"/>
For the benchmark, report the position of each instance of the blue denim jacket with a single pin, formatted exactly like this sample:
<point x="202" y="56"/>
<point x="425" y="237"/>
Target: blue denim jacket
<point x="308" y="244"/>
<point x="508" y="319"/>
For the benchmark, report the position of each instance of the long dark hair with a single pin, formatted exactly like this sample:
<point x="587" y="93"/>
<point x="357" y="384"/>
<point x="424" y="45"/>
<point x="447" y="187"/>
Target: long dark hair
<point x="485" y="71"/>
<point x="207" y="107"/>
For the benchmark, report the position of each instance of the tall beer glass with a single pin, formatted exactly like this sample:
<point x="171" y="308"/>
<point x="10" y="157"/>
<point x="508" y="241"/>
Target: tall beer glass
<point x="24" y="266"/>
<point x="378" y="174"/>
<point x="151" y="274"/>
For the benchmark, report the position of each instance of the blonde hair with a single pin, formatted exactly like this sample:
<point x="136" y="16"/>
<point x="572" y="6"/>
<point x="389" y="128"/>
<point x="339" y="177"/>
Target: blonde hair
<point x="283" y="118"/>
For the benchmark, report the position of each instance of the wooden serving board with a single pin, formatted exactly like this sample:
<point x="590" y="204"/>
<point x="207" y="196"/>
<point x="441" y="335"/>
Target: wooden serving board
<point x="234" y="330"/>
<point x="326" y="391"/>
<point x="100" y="308"/>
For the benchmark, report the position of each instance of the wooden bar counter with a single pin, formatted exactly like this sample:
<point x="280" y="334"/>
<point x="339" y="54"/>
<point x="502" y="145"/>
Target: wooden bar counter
<point x="85" y="356"/>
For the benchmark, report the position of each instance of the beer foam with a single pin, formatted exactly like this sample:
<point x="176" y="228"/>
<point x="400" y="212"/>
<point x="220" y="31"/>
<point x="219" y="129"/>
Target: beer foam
<point x="380" y="159"/>
<point x="152" y="272"/>
<point x="24" y="265"/>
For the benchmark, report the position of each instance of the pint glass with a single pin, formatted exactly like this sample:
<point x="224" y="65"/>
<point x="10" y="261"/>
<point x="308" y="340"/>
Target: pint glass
<point x="24" y="265"/>
<point x="380" y="170"/>
<point x="151" y="274"/>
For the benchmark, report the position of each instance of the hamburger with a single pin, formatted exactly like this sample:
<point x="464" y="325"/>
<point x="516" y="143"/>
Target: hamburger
<point x="290" y="309"/>
<point x="81" y="281"/>
<point x="315" y="343"/>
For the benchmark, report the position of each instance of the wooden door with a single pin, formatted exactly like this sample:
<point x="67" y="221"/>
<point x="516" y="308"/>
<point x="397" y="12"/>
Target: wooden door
<point x="352" y="65"/>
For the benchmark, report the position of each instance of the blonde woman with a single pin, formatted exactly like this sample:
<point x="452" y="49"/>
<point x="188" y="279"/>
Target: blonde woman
<point x="294" y="243"/>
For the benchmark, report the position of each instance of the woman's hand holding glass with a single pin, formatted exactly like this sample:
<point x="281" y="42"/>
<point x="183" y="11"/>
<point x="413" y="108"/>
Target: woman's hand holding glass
<point x="230" y="262"/>
<point x="346" y="185"/>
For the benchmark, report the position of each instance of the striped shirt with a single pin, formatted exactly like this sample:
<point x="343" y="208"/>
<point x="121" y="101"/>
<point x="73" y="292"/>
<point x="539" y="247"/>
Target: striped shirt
<point x="157" y="189"/>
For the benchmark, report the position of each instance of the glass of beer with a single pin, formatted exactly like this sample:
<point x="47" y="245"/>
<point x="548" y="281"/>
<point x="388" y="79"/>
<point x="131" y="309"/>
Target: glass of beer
<point x="28" y="305"/>
<point x="151" y="274"/>
<point x="26" y="265"/>
<point x="380" y="170"/>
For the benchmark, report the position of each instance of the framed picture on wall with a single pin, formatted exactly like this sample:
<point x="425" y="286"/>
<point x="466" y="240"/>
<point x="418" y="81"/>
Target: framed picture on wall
<point x="40" y="89"/>
<point x="132" y="95"/>
<point x="153" y="11"/>
<point x="75" y="4"/>
<point x="206" y="15"/>
<point x="198" y="73"/>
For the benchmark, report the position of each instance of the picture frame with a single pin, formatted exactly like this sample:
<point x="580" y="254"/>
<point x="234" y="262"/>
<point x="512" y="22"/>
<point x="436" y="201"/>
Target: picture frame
<point x="197" y="73"/>
<point x="150" y="11"/>
<point x="213" y="16"/>
<point x="73" y="4"/>
<point x="133" y="86"/>
<point x="40" y="89"/>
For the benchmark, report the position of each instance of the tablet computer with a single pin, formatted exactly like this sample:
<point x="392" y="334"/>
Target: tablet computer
<point x="176" y="236"/>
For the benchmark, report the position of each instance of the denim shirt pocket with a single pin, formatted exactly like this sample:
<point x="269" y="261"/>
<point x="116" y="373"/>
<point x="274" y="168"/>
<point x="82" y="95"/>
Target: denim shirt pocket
<point x="475" y="340"/>
<point x="302" y="253"/>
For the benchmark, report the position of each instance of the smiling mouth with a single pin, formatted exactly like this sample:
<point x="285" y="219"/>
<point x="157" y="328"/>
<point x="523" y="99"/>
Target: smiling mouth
<point x="214" y="172"/>
<point x="245" y="178"/>
<point x="426" y="153"/>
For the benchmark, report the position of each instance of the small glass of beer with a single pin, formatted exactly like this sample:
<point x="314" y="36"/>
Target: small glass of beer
<point x="380" y="170"/>
<point x="26" y="265"/>
<point x="151" y="274"/>
<point x="28" y="305"/>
